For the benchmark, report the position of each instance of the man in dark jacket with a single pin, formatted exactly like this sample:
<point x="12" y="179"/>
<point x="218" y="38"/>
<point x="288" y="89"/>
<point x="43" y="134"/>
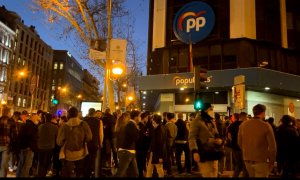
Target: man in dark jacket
<point x="8" y="132"/>
<point x="127" y="148"/>
<point x="143" y="143"/>
<point x="94" y="146"/>
<point x="47" y="133"/>
<point x="237" y="156"/>
<point x="27" y="142"/>
<point x="182" y="145"/>
<point x="157" y="148"/>
<point x="171" y="133"/>
<point x="108" y="143"/>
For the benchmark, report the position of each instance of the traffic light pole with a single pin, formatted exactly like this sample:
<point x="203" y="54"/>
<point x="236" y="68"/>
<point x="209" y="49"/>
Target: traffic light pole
<point x="200" y="79"/>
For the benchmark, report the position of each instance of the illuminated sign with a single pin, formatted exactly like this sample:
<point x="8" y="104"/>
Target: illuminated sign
<point x="194" y="22"/>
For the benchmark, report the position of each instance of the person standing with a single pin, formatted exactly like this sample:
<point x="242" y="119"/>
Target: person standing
<point x="95" y="145"/>
<point x="233" y="130"/>
<point x="182" y="145"/>
<point x="27" y="142"/>
<point x="203" y="137"/>
<point x="143" y="144"/>
<point x="8" y="133"/>
<point x="288" y="148"/>
<point x="73" y="137"/>
<point x="47" y="133"/>
<point x="127" y="147"/>
<point x="171" y="133"/>
<point x="109" y="122"/>
<point x="157" y="148"/>
<point x="257" y="142"/>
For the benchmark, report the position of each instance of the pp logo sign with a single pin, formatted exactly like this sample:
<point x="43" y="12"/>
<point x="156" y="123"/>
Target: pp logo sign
<point x="194" y="22"/>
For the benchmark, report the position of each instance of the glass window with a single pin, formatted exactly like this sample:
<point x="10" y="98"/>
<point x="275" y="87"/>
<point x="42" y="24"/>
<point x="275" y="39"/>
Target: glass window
<point x="55" y="65"/>
<point x="19" y="101"/>
<point x="24" y="102"/>
<point x="61" y="66"/>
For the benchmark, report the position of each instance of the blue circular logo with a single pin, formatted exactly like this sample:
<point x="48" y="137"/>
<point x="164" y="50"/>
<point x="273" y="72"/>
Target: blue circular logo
<point x="194" y="22"/>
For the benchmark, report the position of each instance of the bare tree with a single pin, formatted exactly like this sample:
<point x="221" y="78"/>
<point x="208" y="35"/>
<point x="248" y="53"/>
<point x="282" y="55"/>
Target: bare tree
<point x="86" y="20"/>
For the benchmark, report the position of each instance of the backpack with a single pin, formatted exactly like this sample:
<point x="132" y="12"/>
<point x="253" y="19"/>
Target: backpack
<point x="75" y="137"/>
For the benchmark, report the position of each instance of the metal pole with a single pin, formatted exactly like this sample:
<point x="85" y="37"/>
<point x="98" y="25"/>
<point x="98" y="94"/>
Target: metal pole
<point x="110" y="89"/>
<point x="31" y="102"/>
<point x="191" y="56"/>
<point x="105" y="88"/>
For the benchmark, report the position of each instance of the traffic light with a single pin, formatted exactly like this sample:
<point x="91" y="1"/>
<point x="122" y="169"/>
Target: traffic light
<point x="198" y="102"/>
<point x="201" y="78"/>
<point x="55" y="101"/>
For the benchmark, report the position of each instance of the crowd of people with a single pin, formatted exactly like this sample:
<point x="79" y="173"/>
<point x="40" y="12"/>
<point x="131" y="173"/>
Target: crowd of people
<point x="143" y="144"/>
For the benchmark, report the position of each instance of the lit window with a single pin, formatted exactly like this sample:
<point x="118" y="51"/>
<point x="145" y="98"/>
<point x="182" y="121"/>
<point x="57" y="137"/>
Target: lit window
<point x="53" y="88"/>
<point x="24" y="102"/>
<point x="55" y="65"/>
<point x="61" y="66"/>
<point x="19" y="101"/>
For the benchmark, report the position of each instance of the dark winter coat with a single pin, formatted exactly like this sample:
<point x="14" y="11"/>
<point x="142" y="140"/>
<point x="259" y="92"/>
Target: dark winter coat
<point x="288" y="144"/>
<point x="158" y="144"/>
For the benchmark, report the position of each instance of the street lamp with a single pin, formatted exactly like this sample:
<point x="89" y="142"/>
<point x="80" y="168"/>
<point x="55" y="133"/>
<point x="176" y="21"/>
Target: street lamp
<point x="130" y="98"/>
<point x="60" y="99"/>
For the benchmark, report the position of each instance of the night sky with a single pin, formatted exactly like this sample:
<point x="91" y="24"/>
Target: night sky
<point x="138" y="8"/>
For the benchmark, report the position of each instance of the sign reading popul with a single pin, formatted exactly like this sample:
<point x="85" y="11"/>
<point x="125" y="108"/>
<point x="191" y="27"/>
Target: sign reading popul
<point x="194" y="22"/>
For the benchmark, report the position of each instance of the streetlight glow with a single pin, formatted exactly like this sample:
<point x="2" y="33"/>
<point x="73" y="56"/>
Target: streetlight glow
<point x="130" y="98"/>
<point x="117" y="70"/>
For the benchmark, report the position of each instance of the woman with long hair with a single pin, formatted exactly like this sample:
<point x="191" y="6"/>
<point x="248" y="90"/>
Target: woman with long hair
<point x="120" y="124"/>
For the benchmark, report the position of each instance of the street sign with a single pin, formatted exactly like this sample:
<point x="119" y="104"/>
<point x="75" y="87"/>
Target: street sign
<point x="118" y="49"/>
<point x="194" y="22"/>
<point x="239" y="96"/>
<point x="96" y="55"/>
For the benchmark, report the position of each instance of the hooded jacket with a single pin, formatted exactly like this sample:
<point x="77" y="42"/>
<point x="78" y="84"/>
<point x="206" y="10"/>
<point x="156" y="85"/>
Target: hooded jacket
<point x="202" y="129"/>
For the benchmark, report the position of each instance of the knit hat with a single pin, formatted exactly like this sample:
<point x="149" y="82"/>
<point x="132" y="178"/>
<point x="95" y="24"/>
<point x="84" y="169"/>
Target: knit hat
<point x="205" y="106"/>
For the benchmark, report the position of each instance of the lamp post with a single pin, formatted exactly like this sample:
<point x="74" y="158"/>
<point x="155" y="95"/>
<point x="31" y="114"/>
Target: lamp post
<point x="112" y="69"/>
<point x="108" y="84"/>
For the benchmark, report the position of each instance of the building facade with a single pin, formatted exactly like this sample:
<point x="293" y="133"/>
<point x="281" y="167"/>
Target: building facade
<point x="6" y="51"/>
<point x="67" y="84"/>
<point x="30" y="69"/>
<point x="246" y="34"/>
<point x="90" y="87"/>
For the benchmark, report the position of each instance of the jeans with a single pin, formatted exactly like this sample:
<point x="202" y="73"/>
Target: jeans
<point x="98" y="165"/>
<point x="5" y="155"/>
<point x="257" y="169"/>
<point x="179" y="149"/>
<point x="141" y="157"/>
<point x="289" y="170"/>
<point x="209" y="168"/>
<point x="150" y="168"/>
<point x="76" y="166"/>
<point x="44" y="162"/>
<point x="25" y="162"/>
<point x="90" y="159"/>
<point x="127" y="164"/>
<point x="239" y="164"/>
